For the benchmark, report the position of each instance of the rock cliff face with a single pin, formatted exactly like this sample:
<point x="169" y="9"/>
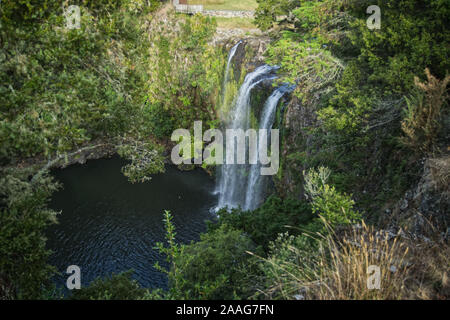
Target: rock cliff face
<point x="297" y="120"/>
<point x="426" y="206"/>
<point x="249" y="54"/>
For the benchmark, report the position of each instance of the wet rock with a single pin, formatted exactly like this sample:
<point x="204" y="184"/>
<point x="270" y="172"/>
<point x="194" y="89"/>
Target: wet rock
<point x="299" y="117"/>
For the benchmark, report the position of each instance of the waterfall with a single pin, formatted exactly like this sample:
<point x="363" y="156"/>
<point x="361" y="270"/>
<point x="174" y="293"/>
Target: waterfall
<point x="256" y="182"/>
<point x="227" y="69"/>
<point x="232" y="182"/>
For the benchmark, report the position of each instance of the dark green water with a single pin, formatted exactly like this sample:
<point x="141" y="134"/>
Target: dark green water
<point x="110" y="225"/>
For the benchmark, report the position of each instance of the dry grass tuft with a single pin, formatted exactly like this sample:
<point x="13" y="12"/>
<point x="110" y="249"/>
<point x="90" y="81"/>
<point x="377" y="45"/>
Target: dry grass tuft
<point x="421" y="124"/>
<point x="409" y="268"/>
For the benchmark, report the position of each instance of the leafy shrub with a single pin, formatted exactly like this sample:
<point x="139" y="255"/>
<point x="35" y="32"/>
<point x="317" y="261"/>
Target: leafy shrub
<point x="116" y="287"/>
<point x="264" y="224"/>
<point x="216" y="267"/>
<point x="146" y="159"/>
<point x="161" y="121"/>
<point x="268" y="11"/>
<point x="334" y="207"/>
<point x="24" y="272"/>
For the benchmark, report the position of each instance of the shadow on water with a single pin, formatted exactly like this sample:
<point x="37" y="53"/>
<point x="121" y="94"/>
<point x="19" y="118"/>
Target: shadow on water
<point x="110" y="225"/>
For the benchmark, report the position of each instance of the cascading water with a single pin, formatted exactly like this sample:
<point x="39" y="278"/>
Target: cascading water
<point x="232" y="183"/>
<point x="256" y="182"/>
<point x="227" y="69"/>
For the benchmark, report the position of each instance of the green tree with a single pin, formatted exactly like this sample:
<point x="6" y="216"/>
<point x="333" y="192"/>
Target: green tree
<point x="24" y="270"/>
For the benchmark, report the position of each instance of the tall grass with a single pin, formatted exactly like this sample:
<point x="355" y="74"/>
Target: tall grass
<point x="235" y="23"/>
<point x="339" y="269"/>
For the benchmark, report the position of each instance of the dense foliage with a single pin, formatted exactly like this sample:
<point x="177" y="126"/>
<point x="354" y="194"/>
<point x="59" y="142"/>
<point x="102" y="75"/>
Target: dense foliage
<point x="24" y="270"/>
<point x="365" y="83"/>
<point x="120" y="76"/>
<point x="116" y="287"/>
<point x="216" y="267"/>
<point x="264" y="224"/>
<point x="380" y="98"/>
<point x="226" y="262"/>
<point x="117" y="79"/>
<point x="373" y="117"/>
